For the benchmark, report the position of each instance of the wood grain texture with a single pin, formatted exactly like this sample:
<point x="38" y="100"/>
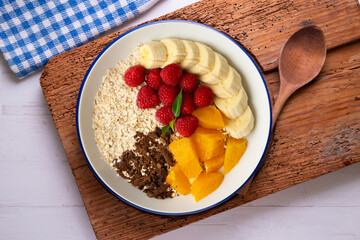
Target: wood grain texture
<point x="261" y="26"/>
<point x="318" y="131"/>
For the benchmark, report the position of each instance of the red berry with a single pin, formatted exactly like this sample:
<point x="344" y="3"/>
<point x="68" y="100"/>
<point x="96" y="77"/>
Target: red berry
<point x="164" y="115"/>
<point x="147" y="98"/>
<point x="203" y="96"/>
<point x="186" y="125"/>
<point x="153" y="79"/>
<point x="135" y="75"/>
<point x="187" y="104"/>
<point x="188" y="83"/>
<point x="171" y="74"/>
<point x="167" y="94"/>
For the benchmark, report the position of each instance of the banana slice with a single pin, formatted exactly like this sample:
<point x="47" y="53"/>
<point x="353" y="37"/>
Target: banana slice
<point x="192" y="55"/>
<point x="175" y="51"/>
<point x="241" y="126"/>
<point x="232" y="107"/>
<point x="152" y="54"/>
<point x="219" y="71"/>
<point x="229" y="87"/>
<point x="206" y="61"/>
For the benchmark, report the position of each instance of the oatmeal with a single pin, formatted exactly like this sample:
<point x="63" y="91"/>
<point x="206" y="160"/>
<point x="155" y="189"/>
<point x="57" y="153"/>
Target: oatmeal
<point x="116" y="118"/>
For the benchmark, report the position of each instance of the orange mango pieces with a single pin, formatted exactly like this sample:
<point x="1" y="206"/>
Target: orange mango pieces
<point x="209" y="117"/>
<point x="178" y="181"/>
<point x="214" y="164"/>
<point x="209" y="143"/>
<point x="184" y="151"/>
<point x="205" y="184"/>
<point x="235" y="149"/>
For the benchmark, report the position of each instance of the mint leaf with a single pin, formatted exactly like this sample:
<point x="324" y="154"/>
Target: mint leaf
<point x="177" y="104"/>
<point x="171" y="124"/>
<point x="176" y="111"/>
<point x="165" y="129"/>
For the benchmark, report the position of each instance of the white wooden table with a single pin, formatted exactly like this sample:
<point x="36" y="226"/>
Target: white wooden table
<point x="39" y="198"/>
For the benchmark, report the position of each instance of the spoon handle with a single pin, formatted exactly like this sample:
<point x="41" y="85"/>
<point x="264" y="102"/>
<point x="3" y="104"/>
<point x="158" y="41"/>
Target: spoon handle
<point x="284" y="93"/>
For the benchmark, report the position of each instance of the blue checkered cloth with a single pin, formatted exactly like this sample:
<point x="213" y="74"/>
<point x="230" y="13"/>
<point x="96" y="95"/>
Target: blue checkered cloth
<point x="31" y="32"/>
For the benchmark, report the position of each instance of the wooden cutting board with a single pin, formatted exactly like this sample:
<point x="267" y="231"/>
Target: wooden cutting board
<point x="317" y="132"/>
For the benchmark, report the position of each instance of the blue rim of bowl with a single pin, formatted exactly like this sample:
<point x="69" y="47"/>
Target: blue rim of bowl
<point x="100" y="179"/>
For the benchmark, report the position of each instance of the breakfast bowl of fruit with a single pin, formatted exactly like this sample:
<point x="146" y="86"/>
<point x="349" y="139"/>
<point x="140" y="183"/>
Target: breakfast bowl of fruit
<point x="173" y="117"/>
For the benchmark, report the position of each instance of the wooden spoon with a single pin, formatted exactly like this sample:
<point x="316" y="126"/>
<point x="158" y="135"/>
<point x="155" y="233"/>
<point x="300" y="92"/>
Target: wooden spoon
<point x="301" y="59"/>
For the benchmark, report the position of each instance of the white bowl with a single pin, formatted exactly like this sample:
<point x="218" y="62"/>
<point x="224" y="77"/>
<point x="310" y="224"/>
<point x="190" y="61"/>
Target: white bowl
<point x="254" y="85"/>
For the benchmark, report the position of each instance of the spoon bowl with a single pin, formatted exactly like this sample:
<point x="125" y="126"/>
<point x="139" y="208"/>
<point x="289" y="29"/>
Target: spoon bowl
<point x="301" y="60"/>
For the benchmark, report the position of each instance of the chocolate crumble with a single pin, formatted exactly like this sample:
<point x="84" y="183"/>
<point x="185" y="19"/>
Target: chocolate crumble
<point x="147" y="166"/>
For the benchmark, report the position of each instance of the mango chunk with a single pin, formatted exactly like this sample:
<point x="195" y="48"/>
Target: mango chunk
<point x="178" y="181"/>
<point x="235" y="149"/>
<point x="205" y="184"/>
<point x="214" y="164"/>
<point x="185" y="154"/>
<point x="209" y="117"/>
<point x="209" y="143"/>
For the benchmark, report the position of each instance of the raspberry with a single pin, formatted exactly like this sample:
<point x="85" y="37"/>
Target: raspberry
<point x="203" y="96"/>
<point x="186" y="125"/>
<point x="153" y="79"/>
<point x="135" y="75"/>
<point x="164" y="115"/>
<point x="167" y="94"/>
<point x="187" y="104"/>
<point x="171" y="74"/>
<point x="188" y="83"/>
<point x="147" y="98"/>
